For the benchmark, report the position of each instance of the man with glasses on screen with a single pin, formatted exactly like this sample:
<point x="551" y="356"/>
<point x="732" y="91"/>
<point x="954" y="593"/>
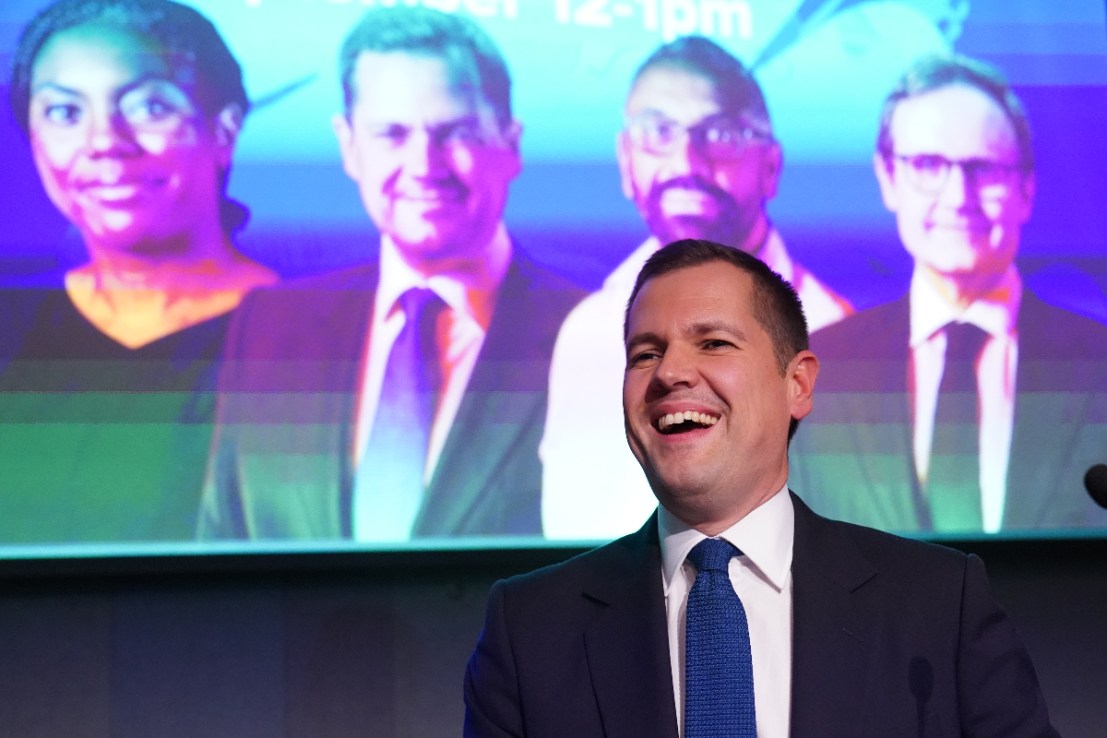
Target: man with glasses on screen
<point x="969" y="405"/>
<point x="698" y="159"/>
<point x="405" y="398"/>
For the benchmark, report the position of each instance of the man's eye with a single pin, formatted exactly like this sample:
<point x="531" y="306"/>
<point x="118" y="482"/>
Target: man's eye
<point x="640" y="357"/>
<point x="929" y="164"/>
<point x="392" y="135"/>
<point x="662" y="131"/>
<point x="459" y="135"/>
<point x="716" y="343"/>
<point x="721" y="134"/>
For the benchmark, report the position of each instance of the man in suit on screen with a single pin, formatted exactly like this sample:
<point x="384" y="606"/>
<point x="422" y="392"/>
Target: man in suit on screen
<point x="405" y="398"/>
<point x="698" y="159"/>
<point x="826" y="628"/>
<point x="969" y="405"/>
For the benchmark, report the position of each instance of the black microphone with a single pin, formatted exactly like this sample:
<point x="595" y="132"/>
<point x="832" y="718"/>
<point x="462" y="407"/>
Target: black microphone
<point x="1095" y="479"/>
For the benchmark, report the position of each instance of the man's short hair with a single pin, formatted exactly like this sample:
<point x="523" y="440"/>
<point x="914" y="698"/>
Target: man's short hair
<point x="774" y="302"/>
<point x="469" y="53"/>
<point x="736" y="90"/>
<point x="933" y="73"/>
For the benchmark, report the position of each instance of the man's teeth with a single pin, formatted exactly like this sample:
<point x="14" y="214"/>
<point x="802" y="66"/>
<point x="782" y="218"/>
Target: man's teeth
<point x="688" y="416"/>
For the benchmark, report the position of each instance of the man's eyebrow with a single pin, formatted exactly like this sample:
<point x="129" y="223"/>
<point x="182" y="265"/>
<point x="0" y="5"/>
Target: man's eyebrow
<point x="644" y="337"/>
<point x="700" y="328"/>
<point x="448" y="124"/>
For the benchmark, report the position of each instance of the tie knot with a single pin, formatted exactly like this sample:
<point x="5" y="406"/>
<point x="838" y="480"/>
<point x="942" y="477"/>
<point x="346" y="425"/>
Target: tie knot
<point x="712" y="554"/>
<point x="416" y="300"/>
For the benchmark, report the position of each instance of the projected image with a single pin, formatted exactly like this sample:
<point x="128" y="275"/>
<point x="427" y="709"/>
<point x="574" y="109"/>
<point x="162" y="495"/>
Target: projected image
<point x="132" y="111"/>
<point x="324" y="274"/>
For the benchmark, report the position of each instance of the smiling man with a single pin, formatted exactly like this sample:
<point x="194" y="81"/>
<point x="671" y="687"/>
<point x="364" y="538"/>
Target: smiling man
<point x="968" y="405"/>
<point x="406" y="398"/>
<point x="698" y="159"/>
<point x="829" y="628"/>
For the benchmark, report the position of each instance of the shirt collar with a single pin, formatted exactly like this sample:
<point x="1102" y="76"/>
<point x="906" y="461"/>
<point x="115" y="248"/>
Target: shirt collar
<point x="776" y="257"/>
<point x="764" y="537"/>
<point x="996" y="313"/>
<point x="471" y="293"/>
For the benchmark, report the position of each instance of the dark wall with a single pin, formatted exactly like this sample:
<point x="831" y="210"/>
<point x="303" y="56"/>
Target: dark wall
<point x="375" y="645"/>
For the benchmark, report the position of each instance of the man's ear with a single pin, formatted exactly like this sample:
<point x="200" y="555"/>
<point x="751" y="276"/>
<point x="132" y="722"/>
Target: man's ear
<point x="344" y="132"/>
<point x="622" y="155"/>
<point x="512" y="134"/>
<point x="1028" y="188"/>
<point x="882" y="168"/>
<point x="772" y="161"/>
<point x="802" y="370"/>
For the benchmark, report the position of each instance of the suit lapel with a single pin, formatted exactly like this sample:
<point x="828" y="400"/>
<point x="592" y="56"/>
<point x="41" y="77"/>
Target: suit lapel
<point x="344" y="308"/>
<point x="860" y="433"/>
<point x="833" y="627"/>
<point x="1053" y="435"/>
<point x="498" y="424"/>
<point x="476" y="445"/>
<point x="627" y="645"/>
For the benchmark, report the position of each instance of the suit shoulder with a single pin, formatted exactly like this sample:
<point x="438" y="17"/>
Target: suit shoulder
<point x="317" y="317"/>
<point x="602" y="564"/>
<point x="891" y="553"/>
<point x="319" y="287"/>
<point x="876" y="332"/>
<point x="1049" y="330"/>
<point x="540" y="284"/>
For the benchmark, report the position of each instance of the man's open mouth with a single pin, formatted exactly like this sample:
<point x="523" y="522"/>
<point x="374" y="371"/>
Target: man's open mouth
<point x="683" y="422"/>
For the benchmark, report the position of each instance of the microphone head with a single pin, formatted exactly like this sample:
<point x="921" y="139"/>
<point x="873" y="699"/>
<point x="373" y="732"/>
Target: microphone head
<point x="1095" y="479"/>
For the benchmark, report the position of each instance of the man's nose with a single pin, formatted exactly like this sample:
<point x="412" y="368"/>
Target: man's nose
<point x="677" y="367"/>
<point x="686" y="158"/>
<point x="959" y="188"/>
<point x="423" y="153"/>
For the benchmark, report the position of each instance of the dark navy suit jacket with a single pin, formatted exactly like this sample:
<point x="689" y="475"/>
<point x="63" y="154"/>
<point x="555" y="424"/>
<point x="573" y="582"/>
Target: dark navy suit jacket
<point x="853" y="454"/>
<point x="890" y="637"/>
<point x="281" y="463"/>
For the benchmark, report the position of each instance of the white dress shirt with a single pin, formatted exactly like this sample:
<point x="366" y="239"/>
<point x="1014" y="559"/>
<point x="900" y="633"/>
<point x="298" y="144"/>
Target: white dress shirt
<point x="592" y="486"/>
<point x="997" y="315"/>
<point x="762" y="577"/>
<point x="470" y="298"/>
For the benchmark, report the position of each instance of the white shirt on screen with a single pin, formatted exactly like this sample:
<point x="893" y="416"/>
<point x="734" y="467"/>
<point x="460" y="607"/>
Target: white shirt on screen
<point x="592" y="486"/>
<point x="762" y="577"/>
<point x="997" y="315"/>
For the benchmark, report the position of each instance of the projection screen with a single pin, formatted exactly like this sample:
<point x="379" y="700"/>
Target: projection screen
<point x="246" y="430"/>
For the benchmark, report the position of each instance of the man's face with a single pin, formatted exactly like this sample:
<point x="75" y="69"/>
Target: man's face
<point x="432" y="165"/>
<point x="705" y="402"/>
<point x="689" y="192"/>
<point x="963" y="226"/>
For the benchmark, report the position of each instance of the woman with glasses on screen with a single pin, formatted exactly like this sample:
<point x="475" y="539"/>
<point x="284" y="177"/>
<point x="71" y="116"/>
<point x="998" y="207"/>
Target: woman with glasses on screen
<point x="132" y="109"/>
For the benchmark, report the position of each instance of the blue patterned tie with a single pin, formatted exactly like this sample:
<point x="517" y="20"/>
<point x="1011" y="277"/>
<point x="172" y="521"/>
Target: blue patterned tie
<point x="718" y="666"/>
<point x="388" y="491"/>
